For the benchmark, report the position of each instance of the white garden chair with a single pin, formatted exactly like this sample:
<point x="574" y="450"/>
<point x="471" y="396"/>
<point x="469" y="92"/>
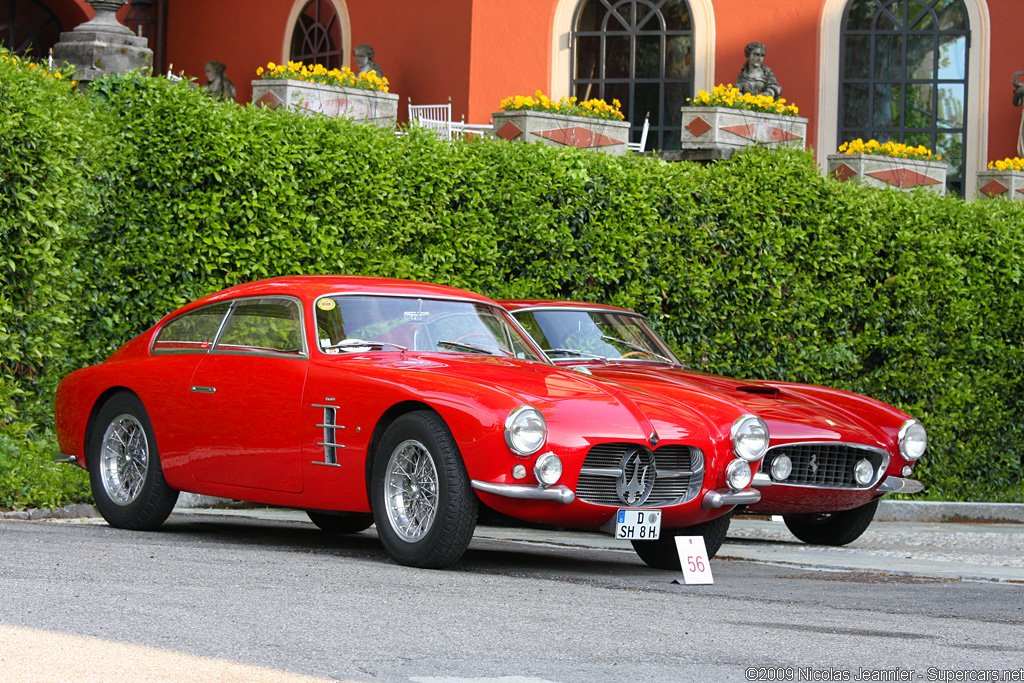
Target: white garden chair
<point x="436" y="117"/>
<point x="641" y="147"/>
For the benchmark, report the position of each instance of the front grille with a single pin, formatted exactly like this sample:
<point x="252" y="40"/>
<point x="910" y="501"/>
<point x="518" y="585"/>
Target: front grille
<point x="827" y="464"/>
<point x="602" y="469"/>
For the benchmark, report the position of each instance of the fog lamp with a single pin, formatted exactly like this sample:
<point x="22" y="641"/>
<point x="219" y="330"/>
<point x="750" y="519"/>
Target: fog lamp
<point x="547" y="469"/>
<point x="863" y="472"/>
<point x="738" y="475"/>
<point x="782" y="467"/>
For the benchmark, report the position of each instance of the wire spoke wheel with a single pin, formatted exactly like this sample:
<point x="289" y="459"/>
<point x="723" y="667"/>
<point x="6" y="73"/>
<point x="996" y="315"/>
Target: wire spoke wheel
<point x="124" y="459"/>
<point x="412" y="490"/>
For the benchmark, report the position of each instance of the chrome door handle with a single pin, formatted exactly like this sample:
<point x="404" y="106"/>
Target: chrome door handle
<point x="204" y="390"/>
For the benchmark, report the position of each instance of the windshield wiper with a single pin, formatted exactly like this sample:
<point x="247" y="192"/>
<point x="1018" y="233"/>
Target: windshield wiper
<point x="641" y="349"/>
<point x="471" y="347"/>
<point x="576" y="352"/>
<point x="354" y="344"/>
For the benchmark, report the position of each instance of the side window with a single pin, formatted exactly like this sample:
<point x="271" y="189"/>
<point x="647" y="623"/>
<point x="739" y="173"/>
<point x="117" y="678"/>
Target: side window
<point x="192" y="332"/>
<point x="263" y="324"/>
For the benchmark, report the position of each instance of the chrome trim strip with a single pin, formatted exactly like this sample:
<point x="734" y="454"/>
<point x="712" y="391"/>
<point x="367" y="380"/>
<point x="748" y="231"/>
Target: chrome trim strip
<point x="723" y="497"/>
<point x="610" y="472"/>
<point x="328" y="443"/>
<point x="900" y="485"/>
<point x="326" y="464"/>
<point x="616" y="472"/>
<point x="761" y="480"/>
<point x="558" y="494"/>
<point x="204" y="390"/>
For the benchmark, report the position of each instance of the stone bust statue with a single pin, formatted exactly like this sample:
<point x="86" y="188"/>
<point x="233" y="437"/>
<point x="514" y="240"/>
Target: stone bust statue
<point x="364" y="60"/>
<point x="1018" y="99"/>
<point x="756" y="78"/>
<point x="219" y="86"/>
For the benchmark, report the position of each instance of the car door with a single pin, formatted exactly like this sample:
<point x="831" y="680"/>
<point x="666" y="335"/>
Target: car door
<point x="245" y="398"/>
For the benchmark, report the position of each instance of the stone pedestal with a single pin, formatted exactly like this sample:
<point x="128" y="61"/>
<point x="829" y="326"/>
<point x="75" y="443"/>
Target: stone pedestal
<point x="583" y="132"/>
<point x="884" y="171"/>
<point x="357" y="104"/>
<point x="102" y="45"/>
<point x="722" y="130"/>
<point x="1006" y="184"/>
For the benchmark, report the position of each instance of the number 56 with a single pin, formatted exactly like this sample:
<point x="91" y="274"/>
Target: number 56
<point x="695" y="563"/>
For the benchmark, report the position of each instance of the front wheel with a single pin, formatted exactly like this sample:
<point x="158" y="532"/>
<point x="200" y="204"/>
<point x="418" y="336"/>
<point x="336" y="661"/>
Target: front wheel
<point x="124" y="467"/>
<point x="423" y="505"/>
<point x="837" y="528"/>
<point x="662" y="554"/>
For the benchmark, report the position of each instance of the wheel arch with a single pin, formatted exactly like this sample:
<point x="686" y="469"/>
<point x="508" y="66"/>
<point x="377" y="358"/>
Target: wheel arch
<point x="97" y="406"/>
<point x="385" y="421"/>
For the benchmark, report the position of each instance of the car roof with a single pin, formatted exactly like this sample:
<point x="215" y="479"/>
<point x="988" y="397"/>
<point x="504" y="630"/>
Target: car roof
<point x="534" y="304"/>
<point x="313" y="286"/>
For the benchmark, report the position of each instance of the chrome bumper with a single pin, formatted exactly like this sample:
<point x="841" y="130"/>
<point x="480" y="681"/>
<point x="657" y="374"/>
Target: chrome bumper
<point x="62" y="457"/>
<point x="722" y="497"/>
<point x="900" y="485"/>
<point x="761" y="480"/>
<point x="558" y="494"/>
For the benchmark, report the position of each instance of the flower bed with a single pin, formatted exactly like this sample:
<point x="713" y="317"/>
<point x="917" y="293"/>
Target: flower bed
<point x="724" y="120"/>
<point x="592" y="125"/>
<point x="889" y="165"/>
<point x="1004" y="178"/>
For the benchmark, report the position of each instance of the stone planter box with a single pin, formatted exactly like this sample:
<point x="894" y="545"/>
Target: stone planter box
<point x="1006" y="184"/>
<point x="367" y="106"/>
<point x="882" y="171"/>
<point x="583" y="132"/>
<point x="724" y="130"/>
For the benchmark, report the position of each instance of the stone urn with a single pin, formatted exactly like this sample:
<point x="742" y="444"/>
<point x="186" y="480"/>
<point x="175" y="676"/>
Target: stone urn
<point x="723" y="130"/>
<point x="877" y="170"/>
<point x="102" y="45"/>
<point x="582" y="132"/>
<point x="357" y="104"/>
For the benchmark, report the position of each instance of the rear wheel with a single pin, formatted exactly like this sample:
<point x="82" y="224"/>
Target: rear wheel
<point x="838" y="528"/>
<point x="423" y="505"/>
<point x="662" y="554"/>
<point x="341" y="522"/>
<point x="124" y="467"/>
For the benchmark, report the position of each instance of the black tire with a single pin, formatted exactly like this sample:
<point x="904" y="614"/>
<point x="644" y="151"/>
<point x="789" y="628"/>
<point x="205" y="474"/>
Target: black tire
<point x="124" y="466"/>
<point x="662" y="554"/>
<point x="341" y="522"/>
<point x="838" y="528"/>
<point x="429" y="518"/>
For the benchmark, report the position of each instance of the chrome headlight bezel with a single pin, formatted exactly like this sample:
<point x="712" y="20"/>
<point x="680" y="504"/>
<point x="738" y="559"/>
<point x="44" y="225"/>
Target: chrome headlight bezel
<point x="738" y="475"/>
<point x="547" y="469"/>
<point x="519" y="425"/>
<point x="913" y="440"/>
<point x="750" y="437"/>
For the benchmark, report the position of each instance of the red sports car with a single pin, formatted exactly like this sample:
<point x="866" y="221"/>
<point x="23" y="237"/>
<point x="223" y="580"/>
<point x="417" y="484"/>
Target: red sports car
<point x="408" y="405"/>
<point x="832" y="453"/>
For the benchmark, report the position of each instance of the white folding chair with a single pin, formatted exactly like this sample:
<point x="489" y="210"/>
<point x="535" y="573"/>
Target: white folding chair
<point x="436" y="117"/>
<point x="641" y="147"/>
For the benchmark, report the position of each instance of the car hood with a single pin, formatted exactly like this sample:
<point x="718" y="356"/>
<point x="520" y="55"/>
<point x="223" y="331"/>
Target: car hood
<point x="791" y="414"/>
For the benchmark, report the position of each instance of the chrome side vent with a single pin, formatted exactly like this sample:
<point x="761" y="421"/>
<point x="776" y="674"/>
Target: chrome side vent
<point x="330" y="443"/>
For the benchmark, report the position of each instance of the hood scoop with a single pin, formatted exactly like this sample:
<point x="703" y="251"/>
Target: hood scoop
<point x="759" y="390"/>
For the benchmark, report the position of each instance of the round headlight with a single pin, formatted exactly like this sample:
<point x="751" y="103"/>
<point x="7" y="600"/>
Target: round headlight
<point x="547" y="469"/>
<point x="863" y="472"/>
<point x="782" y="467"/>
<point x="750" y="437"/>
<point x="913" y="440"/>
<point x="525" y="430"/>
<point x="738" y="475"/>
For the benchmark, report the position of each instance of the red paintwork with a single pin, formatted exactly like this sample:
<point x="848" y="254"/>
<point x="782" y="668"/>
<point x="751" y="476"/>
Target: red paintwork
<point x="794" y="413"/>
<point x="255" y="439"/>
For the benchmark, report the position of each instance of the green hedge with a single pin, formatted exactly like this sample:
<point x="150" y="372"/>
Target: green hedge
<point x="756" y="267"/>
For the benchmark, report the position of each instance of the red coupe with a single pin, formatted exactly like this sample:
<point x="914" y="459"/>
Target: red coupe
<point x="408" y="405"/>
<point x="832" y="453"/>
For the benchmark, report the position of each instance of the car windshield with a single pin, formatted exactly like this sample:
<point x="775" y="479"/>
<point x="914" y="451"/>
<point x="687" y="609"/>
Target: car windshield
<point x="594" y="335"/>
<point x="358" y="323"/>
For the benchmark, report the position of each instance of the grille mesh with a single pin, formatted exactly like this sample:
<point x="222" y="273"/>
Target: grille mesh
<point x="600" y="490"/>
<point x="832" y="463"/>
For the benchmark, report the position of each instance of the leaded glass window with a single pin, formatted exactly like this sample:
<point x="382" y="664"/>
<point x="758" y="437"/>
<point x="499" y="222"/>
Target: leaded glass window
<point x="639" y="52"/>
<point x="904" y="76"/>
<point x="316" y="38"/>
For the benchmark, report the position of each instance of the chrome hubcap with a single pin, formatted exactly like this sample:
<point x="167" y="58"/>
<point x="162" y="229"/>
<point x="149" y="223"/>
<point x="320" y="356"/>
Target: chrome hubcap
<point x="124" y="459"/>
<point x="411" y="491"/>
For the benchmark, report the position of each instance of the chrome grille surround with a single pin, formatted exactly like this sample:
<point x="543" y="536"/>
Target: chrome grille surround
<point x="827" y="464"/>
<point x="678" y="472"/>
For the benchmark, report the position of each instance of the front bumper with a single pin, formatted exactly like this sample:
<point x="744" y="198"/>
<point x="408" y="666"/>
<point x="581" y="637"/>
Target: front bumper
<point x="723" y="497"/>
<point x="900" y="485"/>
<point x="558" y="494"/>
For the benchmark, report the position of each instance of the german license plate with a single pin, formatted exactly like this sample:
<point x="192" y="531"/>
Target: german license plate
<point x="638" y="525"/>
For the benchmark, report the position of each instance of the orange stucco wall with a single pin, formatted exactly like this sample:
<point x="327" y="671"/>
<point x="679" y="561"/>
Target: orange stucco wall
<point x="1004" y="119"/>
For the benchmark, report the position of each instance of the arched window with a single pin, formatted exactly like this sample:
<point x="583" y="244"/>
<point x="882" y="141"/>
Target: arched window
<point x="639" y="52"/>
<point x="28" y="27"/>
<point x="904" y="76"/>
<point x="317" y="36"/>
